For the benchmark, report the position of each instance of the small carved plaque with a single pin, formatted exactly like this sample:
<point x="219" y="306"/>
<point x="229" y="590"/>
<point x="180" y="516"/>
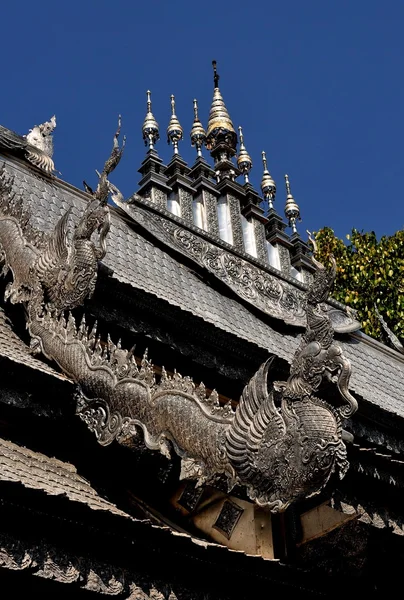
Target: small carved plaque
<point x="228" y="518"/>
<point x="190" y="496"/>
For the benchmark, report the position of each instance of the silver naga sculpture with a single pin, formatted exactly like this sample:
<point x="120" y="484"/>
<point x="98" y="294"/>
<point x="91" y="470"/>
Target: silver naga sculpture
<point x="282" y="442"/>
<point x="36" y="146"/>
<point x="40" y="138"/>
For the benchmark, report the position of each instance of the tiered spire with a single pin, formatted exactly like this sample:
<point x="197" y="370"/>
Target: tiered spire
<point x="174" y="130"/>
<point x="220" y="127"/>
<point x="150" y="127"/>
<point x="220" y="138"/>
<point x="268" y="185"/>
<point x="292" y="210"/>
<point x="244" y="161"/>
<point x="198" y="134"/>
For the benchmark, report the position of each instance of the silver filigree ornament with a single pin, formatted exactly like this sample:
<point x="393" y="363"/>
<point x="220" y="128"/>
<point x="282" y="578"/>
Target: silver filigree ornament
<point x="276" y="297"/>
<point x="282" y="442"/>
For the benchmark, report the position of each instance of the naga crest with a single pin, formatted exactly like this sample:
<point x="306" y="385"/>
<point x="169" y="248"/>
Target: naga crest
<point x="40" y="136"/>
<point x="57" y="270"/>
<point x="284" y="439"/>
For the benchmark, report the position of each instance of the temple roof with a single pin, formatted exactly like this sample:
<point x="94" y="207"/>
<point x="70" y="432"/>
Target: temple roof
<point x="135" y="260"/>
<point x="50" y="475"/>
<point x="166" y="280"/>
<point x="13" y="348"/>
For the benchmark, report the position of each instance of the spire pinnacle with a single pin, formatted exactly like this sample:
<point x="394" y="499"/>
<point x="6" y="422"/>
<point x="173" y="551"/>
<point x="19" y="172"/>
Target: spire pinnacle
<point x="150" y="128"/>
<point x="244" y="161"/>
<point x="292" y="211"/>
<point x="216" y="76"/>
<point x="220" y="127"/>
<point x="198" y="134"/>
<point x="174" y="129"/>
<point x="268" y="185"/>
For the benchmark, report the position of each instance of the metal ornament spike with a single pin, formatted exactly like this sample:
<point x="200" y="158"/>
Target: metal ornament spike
<point x="268" y="185"/>
<point x="198" y="134"/>
<point x="216" y="75"/>
<point x="175" y="132"/>
<point x="150" y="128"/>
<point x="244" y="161"/>
<point x="292" y="210"/>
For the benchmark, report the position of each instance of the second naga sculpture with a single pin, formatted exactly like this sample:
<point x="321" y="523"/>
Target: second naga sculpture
<point x="282" y="442"/>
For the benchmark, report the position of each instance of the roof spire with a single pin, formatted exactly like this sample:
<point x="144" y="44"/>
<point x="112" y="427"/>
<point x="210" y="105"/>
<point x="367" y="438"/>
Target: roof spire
<point x="292" y="211"/>
<point x="198" y="134"/>
<point x="174" y="129"/>
<point x="216" y="76"/>
<point x="268" y="185"/>
<point x="220" y="128"/>
<point x="244" y="161"/>
<point x="150" y="128"/>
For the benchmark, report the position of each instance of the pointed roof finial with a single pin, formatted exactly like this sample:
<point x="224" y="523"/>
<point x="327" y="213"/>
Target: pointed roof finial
<point x="244" y="161"/>
<point x="268" y="185"/>
<point x="174" y="130"/>
<point x="292" y="211"/>
<point x="198" y="134"/>
<point x="220" y="126"/>
<point x="216" y="75"/>
<point x="150" y="128"/>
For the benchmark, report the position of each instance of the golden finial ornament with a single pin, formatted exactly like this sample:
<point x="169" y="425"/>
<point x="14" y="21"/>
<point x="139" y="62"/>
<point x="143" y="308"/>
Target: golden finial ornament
<point x="150" y="128"/>
<point x="268" y="185"/>
<point x="244" y="161"/>
<point x="292" y="211"/>
<point x="175" y="132"/>
<point x="198" y="134"/>
<point x="220" y="126"/>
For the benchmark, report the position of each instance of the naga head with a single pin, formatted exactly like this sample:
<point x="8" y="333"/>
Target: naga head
<point x="95" y="218"/>
<point x="40" y="136"/>
<point x="40" y="145"/>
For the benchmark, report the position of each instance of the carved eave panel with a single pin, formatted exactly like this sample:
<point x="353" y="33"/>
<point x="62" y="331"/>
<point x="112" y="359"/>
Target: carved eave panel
<point x="264" y="288"/>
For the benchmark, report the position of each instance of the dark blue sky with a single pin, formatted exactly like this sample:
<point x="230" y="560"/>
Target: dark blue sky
<point x="319" y="85"/>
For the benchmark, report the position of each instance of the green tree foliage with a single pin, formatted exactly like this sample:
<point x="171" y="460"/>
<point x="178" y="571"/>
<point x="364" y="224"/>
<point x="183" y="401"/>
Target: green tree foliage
<point x="369" y="272"/>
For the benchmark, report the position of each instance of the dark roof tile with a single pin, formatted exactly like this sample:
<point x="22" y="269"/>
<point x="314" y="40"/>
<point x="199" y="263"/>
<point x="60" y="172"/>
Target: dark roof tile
<point x="14" y="349"/>
<point x="50" y="475"/>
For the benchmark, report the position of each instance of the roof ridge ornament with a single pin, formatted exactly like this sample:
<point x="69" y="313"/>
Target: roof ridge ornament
<point x="150" y="128"/>
<point x="268" y="185"/>
<point x="244" y="161"/>
<point x="395" y="342"/>
<point x="40" y="138"/>
<point x="292" y="210"/>
<point x="175" y="132"/>
<point x="198" y="134"/>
